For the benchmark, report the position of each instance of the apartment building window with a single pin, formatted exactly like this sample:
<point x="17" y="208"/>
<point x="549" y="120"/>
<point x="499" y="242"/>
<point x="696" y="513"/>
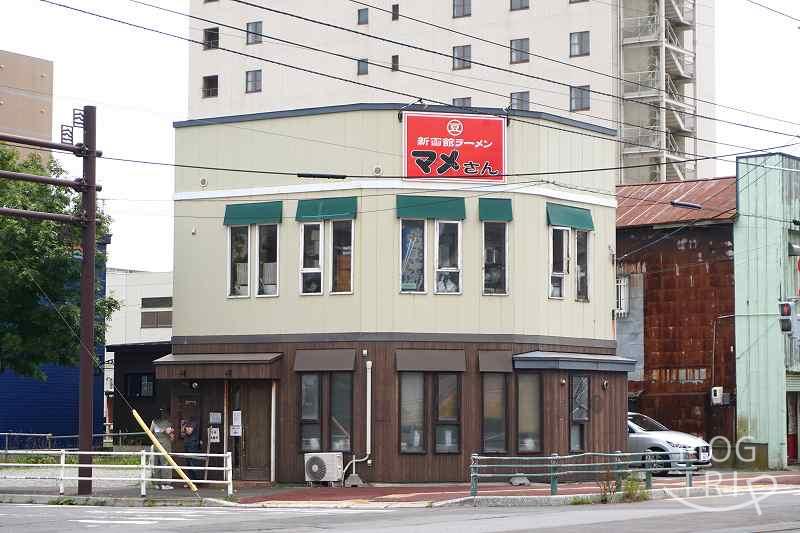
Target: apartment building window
<point x="254" y="32"/>
<point x="494" y="426"/>
<point x="239" y="257"/>
<point x="520" y="50"/>
<point x="342" y="256"/>
<point x="412" y="257"/>
<point x="446" y="421"/>
<point x="579" y="44"/>
<point x="252" y="81"/>
<point x="582" y="265"/>
<point x="559" y="261"/>
<point x="310" y="413"/>
<point x="140" y="385"/>
<point x="521" y="101"/>
<point x="363" y="16"/>
<point x="412" y="412"/>
<point x="448" y="257"/>
<point x="495" y="275"/>
<point x="156" y="312"/>
<point x="462" y="56"/>
<point x="268" y="260"/>
<point x="156" y="302"/>
<point x="462" y="102"/>
<point x="462" y="8"/>
<point x="363" y="67"/>
<point x="520" y="4"/>
<point x="395" y="63"/>
<point x="529" y="413"/>
<point x="210" y="38"/>
<point x="395" y="11"/>
<point x="579" y="412"/>
<point x="580" y="98"/>
<point x="210" y="86"/>
<point x="311" y="265"/>
<point x="577" y="1"/>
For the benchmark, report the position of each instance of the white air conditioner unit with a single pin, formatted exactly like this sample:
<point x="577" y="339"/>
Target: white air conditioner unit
<point x="322" y="467"/>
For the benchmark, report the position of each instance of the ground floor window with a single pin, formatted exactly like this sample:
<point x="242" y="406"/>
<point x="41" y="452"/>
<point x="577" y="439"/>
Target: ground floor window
<point x="447" y="414"/>
<point x="529" y="413"/>
<point x="412" y="412"/>
<point x="310" y="413"/>
<point x="140" y="385"/>
<point x="341" y="422"/>
<point x="338" y="431"/>
<point x="579" y="412"/>
<point x="494" y="413"/>
<point x="444" y="409"/>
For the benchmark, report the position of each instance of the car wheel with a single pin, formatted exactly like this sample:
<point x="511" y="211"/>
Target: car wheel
<point x="656" y="460"/>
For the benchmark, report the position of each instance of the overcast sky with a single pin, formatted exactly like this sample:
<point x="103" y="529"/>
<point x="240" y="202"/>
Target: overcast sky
<point x="138" y="81"/>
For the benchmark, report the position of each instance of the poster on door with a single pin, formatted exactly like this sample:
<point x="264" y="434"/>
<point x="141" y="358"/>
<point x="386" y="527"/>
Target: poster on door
<point x="454" y="147"/>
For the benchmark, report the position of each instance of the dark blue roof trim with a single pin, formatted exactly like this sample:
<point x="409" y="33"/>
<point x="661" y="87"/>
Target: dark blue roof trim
<point x="310" y="111"/>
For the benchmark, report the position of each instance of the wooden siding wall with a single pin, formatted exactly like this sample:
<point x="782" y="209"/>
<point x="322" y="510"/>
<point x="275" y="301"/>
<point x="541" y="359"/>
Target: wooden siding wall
<point x="688" y="283"/>
<point x="606" y="430"/>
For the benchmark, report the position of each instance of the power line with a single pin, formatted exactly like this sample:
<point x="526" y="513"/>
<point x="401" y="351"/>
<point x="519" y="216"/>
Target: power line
<point x="773" y="10"/>
<point x="494" y="67"/>
<point x="567" y="64"/>
<point x="415" y="74"/>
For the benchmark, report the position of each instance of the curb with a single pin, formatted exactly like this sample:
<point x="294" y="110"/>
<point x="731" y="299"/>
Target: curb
<point x="344" y="504"/>
<point x="103" y="501"/>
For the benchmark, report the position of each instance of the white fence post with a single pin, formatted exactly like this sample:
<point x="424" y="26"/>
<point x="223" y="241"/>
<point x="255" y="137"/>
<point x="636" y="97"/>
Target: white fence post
<point x="62" y="472"/>
<point x="143" y="479"/>
<point x="229" y="472"/>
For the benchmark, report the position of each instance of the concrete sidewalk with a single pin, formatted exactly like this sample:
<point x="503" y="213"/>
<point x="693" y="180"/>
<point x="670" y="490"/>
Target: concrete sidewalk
<point x="376" y="496"/>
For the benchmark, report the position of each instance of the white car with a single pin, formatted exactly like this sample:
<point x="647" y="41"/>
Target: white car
<point x="678" y="450"/>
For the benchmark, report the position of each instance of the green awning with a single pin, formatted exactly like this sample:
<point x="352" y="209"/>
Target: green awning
<point x="494" y="209"/>
<point x="254" y="213"/>
<point x="327" y="209"/>
<point x="569" y="217"/>
<point x="431" y="207"/>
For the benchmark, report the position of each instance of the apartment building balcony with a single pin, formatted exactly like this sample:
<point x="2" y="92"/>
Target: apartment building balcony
<point x="681" y="13"/>
<point x="675" y="97"/>
<point x="637" y="30"/>
<point x="676" y="155"/>
<point x="681" y="122"/>
<point x="641" y="140"/>
<point x="642" y="84"/>
<point x="680" y="64"/>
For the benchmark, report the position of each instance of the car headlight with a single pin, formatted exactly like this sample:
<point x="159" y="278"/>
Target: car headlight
<point x="678" y="445"/>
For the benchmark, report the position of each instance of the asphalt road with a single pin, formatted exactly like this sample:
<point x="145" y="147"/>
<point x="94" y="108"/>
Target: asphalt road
<point x="727" y="513"/>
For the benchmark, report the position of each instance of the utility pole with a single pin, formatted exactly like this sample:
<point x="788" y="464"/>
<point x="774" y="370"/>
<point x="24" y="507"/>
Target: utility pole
<point x="88" y="188"/>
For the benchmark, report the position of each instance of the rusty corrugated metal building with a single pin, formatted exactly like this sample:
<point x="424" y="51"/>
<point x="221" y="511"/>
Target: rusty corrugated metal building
<point x="676" y="298"/>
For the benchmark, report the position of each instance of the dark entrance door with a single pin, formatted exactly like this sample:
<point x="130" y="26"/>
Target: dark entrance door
<point x="251" y="450"/>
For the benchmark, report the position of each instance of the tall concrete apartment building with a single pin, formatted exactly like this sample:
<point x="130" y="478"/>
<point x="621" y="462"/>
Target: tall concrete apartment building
<point x="636" y="66"/>
<point x="26" y="96"/>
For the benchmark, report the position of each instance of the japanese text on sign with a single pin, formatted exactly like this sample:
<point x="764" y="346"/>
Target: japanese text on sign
<point x="447" y="146"/>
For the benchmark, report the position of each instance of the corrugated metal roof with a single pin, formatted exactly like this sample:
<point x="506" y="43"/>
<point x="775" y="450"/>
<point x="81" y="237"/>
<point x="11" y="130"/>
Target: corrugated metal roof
<point x="650" y="204"/>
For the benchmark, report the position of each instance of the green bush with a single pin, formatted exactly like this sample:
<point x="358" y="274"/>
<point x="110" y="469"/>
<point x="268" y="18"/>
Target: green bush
<point x="632" y="490"/>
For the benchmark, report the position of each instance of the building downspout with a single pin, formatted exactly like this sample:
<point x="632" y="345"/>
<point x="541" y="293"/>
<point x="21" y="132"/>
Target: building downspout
<point x="354" y="480"/>
<point x="273" y="439"/>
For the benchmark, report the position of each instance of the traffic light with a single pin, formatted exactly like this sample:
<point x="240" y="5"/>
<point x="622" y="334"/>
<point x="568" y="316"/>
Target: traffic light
<point x="786" y="317"/>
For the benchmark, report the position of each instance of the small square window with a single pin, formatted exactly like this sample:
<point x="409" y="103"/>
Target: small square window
<point x="253" y="81"/>
<point x="395" y="11"/>
<point x="521" y="101"/>
<point x="516" y="5"/>
<point x="580" y="98"/>
<point x="579" y="44"/>
<point x="395" y="63"/>
<point x="462" y="8"/>
<point x="210" y="38"/>
<point x="210" y="86"/>
<point x="363" y="67"/>
<point x="254" y="31"/>
<point x="462" y="56"/>
<point x="520" y="50"/>
<point x="363" y="16"/>
<point x="462" y="102"/>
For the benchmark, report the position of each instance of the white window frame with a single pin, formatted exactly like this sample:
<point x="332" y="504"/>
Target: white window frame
<point x="588" y="265"/>
<point x="426" y="277"/>
<point x="623" y="296"/>
<point x="277" y="260"/>
<point x="436" y="268"/>
<point x="228" y="265"/>
<point x="321" y="268"/>
<point x="352" y="256"/>
<point x="567" y="263"/>
<point x="483" y="256"/>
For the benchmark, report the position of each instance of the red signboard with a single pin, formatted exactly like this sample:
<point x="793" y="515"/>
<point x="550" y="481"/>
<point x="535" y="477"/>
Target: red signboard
<point x="454" y="147"/>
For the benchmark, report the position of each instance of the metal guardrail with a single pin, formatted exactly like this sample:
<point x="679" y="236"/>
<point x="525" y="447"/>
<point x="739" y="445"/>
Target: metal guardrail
<point x="596" y="466"/>
<point x="48" y="441"/>
<point x="145" y="470"/>
<point x="640" y="27"/>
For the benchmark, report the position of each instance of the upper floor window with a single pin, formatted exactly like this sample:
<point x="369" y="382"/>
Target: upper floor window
<point x="520" y="4"/>
<point x="156" y="312"/>
<point x="342" y="256"/>
<point x="239" y="257"/>
<point x="362" y="67"/>
<point x="448" y="257"/>
<point x="395" y="63"/>
<point x="462" y="56"/>
<point x="495" y="275"/>
<point x="268" y="260"/>
<point x="582" y="265"/>
<point x="579" y="44"/>
<point x="252" y="81"/>
<point x="521" y="101"/>
<point x="395" y="11"/>
<point x="462" y="8"/>
<point x="210" y="38"/>
<point x="311" y="266"/>
<point x="157" y="302"/>
<point x="559" y="261"/>
<point x="462" y="102"/>
<point x="622" y="296"/>
<point x="254" y="32"/>
<point x="580" y="98"/>
<point x="210" y="86"/>
<point x="363" y="16"/>
<point x="412" y="256"/>
<point x="520" y="50"/>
